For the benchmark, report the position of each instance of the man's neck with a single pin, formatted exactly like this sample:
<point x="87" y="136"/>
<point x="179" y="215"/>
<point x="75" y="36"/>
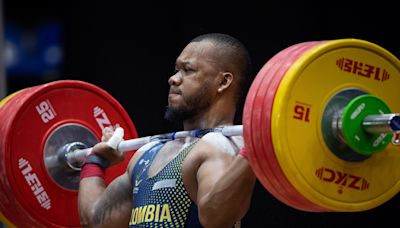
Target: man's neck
<point x="205" y="123"/>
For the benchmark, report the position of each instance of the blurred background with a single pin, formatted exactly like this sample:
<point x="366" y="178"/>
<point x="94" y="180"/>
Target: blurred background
<point x="129" y="49"/>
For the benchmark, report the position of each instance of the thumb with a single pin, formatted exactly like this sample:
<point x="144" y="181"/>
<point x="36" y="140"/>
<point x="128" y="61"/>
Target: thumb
<point x="116" y="138"/>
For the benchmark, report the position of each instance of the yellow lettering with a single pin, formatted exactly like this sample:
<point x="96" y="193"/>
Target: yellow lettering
<point x="157" y="212"/>
<point x="165" y="213"/>
<point x="133" y="217"/>
<point x="150" y="213"/>
<point x="141" y="213"/>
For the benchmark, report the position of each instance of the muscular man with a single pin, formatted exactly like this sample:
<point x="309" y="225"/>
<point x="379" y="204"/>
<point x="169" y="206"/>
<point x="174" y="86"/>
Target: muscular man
<point x="187" y="182"/>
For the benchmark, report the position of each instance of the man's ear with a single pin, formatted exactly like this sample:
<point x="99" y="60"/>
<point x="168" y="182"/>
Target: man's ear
<point x="225" y="81"/>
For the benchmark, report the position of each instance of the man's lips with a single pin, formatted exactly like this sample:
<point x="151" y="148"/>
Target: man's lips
<point x="174" y="91"/>
<point x="173" y="94"/>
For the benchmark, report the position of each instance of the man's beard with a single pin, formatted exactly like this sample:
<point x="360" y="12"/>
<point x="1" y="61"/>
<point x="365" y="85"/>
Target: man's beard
<point x="194" y="104"/>
<point x="176" y="115"/>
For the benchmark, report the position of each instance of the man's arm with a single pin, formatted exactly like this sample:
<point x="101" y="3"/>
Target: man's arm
<point x="101" y="205"/>
<point x="225" y="187"/>
<point x="105" y="207"/>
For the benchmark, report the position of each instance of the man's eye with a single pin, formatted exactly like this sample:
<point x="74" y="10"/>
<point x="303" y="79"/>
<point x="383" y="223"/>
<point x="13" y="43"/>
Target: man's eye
<point x="187" y="69"/>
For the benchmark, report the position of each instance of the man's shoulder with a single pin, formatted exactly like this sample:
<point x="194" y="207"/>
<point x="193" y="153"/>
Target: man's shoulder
<point x="230" y="145"/>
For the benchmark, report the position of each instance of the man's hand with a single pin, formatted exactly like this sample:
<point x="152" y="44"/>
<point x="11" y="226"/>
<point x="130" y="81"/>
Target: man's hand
<point x="108" y="148"/>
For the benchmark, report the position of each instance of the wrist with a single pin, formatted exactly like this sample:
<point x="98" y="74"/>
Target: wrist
<point x="92" y="170"/>
<point x="94" y="166"/>
<point x="96" y="159"/>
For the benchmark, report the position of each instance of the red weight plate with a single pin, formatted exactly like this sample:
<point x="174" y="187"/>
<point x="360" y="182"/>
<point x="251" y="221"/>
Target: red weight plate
<point x="258" y="107"/>
<point x="270" y="170"/>
<point x="296" y="199"/>
<point x="29" y="122"/>
<point x="268" y="180"/>
<point x="7" y="200"/>
<point x="267" y="166"/>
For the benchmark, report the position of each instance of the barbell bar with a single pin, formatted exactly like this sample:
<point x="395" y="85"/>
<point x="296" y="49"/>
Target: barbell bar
<point x="76" y="156"/>
<point x="382" y="123"/>
<point x="314" y="120"/>
<point x="373" y="124"/>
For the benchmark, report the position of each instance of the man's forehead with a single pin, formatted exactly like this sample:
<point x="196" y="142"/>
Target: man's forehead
<point x="197" y="51"/>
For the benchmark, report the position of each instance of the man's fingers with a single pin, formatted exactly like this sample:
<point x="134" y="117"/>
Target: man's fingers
<point x="116" y="138"/>
<point x="107" y="133"/>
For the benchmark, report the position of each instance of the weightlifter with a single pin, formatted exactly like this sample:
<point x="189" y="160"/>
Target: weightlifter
<point x="203" y="181"/>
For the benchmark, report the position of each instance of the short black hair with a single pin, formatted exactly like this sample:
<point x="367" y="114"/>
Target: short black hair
<point x="234" y="52"/>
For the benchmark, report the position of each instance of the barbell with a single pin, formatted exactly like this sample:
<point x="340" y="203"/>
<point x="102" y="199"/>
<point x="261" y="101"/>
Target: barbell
<point x="318" y="123"/>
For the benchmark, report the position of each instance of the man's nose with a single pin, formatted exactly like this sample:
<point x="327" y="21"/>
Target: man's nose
<point x="175" y="79"/>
